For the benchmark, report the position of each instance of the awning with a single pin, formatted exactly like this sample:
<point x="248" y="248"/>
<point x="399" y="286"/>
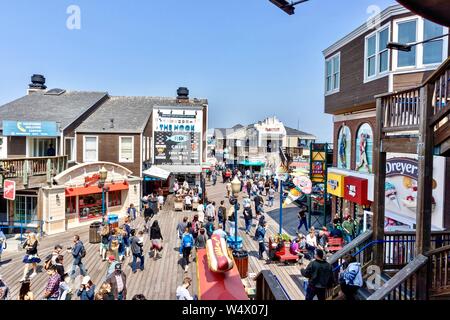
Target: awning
<point x="81" y="191"/>
<point x="156" y="172"/>
<point x="183" y="169"/>
<point x="251" y="163"/>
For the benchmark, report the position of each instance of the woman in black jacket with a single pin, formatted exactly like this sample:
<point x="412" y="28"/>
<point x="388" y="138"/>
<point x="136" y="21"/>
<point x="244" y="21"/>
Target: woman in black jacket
<point x="156" y="239"/>
<point x="31" y="256"/>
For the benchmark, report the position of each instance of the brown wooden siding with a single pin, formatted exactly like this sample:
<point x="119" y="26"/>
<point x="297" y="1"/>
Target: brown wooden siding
<point x="410" y="80"/>
<point x="17" y="147"/>
<point x="108" y="145"/>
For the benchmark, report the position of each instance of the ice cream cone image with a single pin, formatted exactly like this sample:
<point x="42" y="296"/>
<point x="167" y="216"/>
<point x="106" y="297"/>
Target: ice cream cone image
<point x="293" y="195"/>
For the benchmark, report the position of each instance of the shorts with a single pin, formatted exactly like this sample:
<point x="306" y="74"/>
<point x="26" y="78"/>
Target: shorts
<point x="156" y="244"/>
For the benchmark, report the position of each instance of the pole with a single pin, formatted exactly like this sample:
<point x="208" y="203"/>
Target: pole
<point x="281" y="207"/>
<point x="103" y="204"/>
<point x="235" y="223"/>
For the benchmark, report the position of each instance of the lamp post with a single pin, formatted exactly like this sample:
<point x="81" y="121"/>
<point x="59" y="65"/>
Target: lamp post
<point x="236" y="188"/>
<point x="103" y="174"/>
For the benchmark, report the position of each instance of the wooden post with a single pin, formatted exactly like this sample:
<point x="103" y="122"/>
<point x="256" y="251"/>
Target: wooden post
<point x="379" y="165"/>
<point x="424" y="185"/>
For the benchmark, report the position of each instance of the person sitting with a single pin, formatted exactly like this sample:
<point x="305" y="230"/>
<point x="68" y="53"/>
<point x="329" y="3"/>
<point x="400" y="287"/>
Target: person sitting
<point x="311" y="242"/>
<point x="323" y="240"/>
<point x="295" y="249"/>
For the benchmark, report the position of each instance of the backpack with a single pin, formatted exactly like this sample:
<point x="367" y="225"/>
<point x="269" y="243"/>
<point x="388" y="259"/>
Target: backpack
<point x="82" y="251"/>
<point x="220" y="213"/>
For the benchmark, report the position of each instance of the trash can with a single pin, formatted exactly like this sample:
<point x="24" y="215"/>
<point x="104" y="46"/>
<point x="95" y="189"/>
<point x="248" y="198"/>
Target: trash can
<point x="241" y="260"/>
<point x="94" y="232"/>
<point x="113" y="221"/>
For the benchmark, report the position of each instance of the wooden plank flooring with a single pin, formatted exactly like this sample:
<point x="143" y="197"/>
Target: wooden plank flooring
<point x="160" y="278"/>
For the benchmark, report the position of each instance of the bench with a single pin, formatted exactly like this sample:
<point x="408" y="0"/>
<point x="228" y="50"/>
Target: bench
<point x="335" y="244"/>
<point x="286" y="256"/>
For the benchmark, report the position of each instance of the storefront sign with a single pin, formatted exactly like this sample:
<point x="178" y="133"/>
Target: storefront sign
<point x="355" y="190"/>
<point x="401" y="187"/>
<point x="335" y="184"/>
<point x="30" y="128"/>
<point x="91" y="179"/>
<point x="9" y="190"/>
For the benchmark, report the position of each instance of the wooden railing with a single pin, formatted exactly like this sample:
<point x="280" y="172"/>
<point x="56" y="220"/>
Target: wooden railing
<point x="401" y="110"/>
<point x="268" y="288"/>
<point x="439" y="270"/>
<point x="30" y="167"/>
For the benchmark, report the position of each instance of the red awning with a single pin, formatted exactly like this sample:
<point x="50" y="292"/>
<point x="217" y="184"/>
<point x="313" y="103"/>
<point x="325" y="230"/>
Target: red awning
<point x="355" y="190"/>
<point x="81" y="191"/>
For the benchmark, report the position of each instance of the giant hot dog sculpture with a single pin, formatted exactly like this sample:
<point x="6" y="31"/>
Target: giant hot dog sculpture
<point x="217" y="254"/>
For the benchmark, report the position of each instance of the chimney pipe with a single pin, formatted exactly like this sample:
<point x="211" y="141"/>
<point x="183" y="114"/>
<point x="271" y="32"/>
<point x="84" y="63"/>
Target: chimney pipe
<point x="183" y="94"/>
<point x="37" y="84"/>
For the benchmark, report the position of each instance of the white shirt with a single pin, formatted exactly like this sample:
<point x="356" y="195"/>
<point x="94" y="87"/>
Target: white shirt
<point x="161" y="199"/>
<point x="312" y="241"/>
<point x="183" y="294"/>
<point x="187" y="200"/>
<point x="210" y="210"/>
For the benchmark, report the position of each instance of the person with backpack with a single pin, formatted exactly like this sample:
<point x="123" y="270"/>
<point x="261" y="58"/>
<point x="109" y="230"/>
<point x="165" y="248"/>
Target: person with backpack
<point x="187" y="242"/>
<point x="320" y="275"/>
<point x="350" y="278"/>
<point x="78" y="253"/>
<point x="222" y="213"/>
<point x="181" y="227"/>
<point x="209" y="227"/>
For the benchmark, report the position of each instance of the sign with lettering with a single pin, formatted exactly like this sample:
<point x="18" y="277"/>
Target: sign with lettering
<point x="30" y="128"/>
<point x="335" y="184"/>
<point x="402" y="166"/>
<point x="9" y="190"/>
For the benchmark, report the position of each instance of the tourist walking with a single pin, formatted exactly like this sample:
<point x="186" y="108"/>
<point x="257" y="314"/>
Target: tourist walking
<point x="131" y="211"/>
<point x="52" y="289"/>
<point x="320" y="277"/>
<point x="209" y="227"/>
<point x="65" y="292"/>
<point x="78" y="253"/>
<point x="156" y="239"/>
<point x="219" y="231"/>
<point x="181" y="227"/>
<point x="200" y="242"/>
<point x="271" y="196"/>
<point x="302" y="221"/>
<point x="248" y="218"/>
<point x="104" y="241"/>
<point x="126" y="236"/>
<point x="118" y="283"/>
<point x="211" y="210"/>
<point x="31" y="257"/>
<point x="260" y="235"/>
<point x="148" y="214"/>
<point x="137" y="251"/>
<point x="114" y="243"/>
<point x="4" y="289"/>
<point x="2" y="243"/>
<point x="187" y="242"/>
<point x="87" y="289"/>
<point x="350" y="278"/>
<point x="222" y="213"/>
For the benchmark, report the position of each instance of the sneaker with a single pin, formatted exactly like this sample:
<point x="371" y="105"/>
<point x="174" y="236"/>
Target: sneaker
<point x="34" y="274"/>
<point x="186" y="268"/>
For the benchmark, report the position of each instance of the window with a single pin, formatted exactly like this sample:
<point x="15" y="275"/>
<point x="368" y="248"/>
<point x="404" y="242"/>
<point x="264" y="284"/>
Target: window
<point x="432" y="51"/>
<point x="90" y="149"/>
<point x="126" y="149"/>
<point x="70" y="149"/>
<point x="25" y="209"/>
<point x="114" y="198"/>
<point x="332" y="80"/>
<point x="41" y="147"/>
<point x="71" y="205"/>
<point x="407" y="34"/>
<point x="376" y="54"/>
<point x="423" y="55"/>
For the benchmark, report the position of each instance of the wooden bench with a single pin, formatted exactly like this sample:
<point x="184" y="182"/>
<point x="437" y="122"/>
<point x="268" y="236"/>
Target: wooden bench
<point x="286" y="256"/>
<point x="335" y="244"/>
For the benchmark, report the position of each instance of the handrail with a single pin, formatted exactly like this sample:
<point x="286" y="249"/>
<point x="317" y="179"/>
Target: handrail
<point x="437" y="250"/>
<point x="267" y="280"/>
<point x="403" y="275"/>
<point x="437" y="73"/>
<point x="32" y="158"/>
<point x="350" y="246"/>
<point x="282" y="287"/>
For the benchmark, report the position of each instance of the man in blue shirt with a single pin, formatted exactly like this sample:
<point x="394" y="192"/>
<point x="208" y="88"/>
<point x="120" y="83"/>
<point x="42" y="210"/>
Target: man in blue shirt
<point x="77" y="252"/>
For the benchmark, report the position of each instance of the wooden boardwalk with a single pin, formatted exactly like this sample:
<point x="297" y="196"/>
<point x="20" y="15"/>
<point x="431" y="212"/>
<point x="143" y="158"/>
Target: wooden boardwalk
<point x="160" y="278"/>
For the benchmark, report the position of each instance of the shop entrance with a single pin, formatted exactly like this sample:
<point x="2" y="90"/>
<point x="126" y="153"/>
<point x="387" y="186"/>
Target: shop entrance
<point x="40" y="147"/>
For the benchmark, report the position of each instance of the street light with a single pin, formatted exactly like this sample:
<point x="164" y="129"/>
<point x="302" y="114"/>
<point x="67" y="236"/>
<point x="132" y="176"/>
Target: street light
<point x="286" y="6"/>
<point x="103" y="174"/>
<point x="407" y="47"/>
<point x="235" y="188"/>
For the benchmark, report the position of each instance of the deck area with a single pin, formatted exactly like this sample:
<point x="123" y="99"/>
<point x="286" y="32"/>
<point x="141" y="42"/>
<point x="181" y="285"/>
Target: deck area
<point x="160" y="278"/>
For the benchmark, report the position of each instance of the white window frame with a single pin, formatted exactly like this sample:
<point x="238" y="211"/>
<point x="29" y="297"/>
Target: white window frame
<point x="122" y="160"/>
<point x="333" y="72"/>
<point x="419" y="65"/>
<point x="74" y="156"/>
<point x="377" y="74"/>
<point x="84" y="149"/>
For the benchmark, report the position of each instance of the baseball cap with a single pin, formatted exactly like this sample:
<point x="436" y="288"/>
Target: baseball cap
<point x="112" y="258"/>
<point x="86" y="280"/>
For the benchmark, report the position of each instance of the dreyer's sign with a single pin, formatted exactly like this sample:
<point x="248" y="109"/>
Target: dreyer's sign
<point x="402" y="166"/>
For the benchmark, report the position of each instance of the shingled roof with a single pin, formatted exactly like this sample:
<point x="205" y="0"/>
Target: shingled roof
<point x="130" y="114"/>
<point x="38" y="106"/>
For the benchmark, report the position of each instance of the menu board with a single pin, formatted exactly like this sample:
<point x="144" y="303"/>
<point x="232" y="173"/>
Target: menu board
<point x="174" y="148"/>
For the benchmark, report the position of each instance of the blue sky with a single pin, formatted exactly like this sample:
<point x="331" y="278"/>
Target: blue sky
<point x="249" y="58"/>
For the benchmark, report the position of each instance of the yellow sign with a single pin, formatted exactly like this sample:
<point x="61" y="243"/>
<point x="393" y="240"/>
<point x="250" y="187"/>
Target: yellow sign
<point x="335" y="184"/>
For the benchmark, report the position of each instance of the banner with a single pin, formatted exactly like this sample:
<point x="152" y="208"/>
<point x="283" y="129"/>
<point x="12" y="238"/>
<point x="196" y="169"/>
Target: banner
<point x="30" y="128"/>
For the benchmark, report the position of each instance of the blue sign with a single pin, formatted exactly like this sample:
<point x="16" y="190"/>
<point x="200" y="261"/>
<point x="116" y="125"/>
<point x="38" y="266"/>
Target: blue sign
<point x="178" y="138"/>
<point x="30" y="128"/>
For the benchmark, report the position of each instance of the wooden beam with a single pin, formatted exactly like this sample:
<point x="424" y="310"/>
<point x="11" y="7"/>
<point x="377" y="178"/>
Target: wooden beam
<point x="401" y="128"/>
<point x="442" y="133"/>
<point x="424" y="185"/>
<point x="399" y="145"/>
<point x="379" y="165"/>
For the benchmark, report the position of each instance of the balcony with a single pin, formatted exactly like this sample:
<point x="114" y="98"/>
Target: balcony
<point x="33" y="172"/>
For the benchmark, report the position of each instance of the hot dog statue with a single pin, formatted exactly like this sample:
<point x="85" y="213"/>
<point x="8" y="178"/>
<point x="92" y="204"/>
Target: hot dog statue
<point x="217" y="254"/>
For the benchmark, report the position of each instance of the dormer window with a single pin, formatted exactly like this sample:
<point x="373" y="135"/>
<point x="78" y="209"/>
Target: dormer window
<point x="333" y="70"/>
<point x="376" y="54"/>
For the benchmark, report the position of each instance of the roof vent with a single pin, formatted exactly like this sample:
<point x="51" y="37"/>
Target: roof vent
<point x="183" y="93"/>
<point x="55" y="92"/>
<point x="112" y="123"/>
